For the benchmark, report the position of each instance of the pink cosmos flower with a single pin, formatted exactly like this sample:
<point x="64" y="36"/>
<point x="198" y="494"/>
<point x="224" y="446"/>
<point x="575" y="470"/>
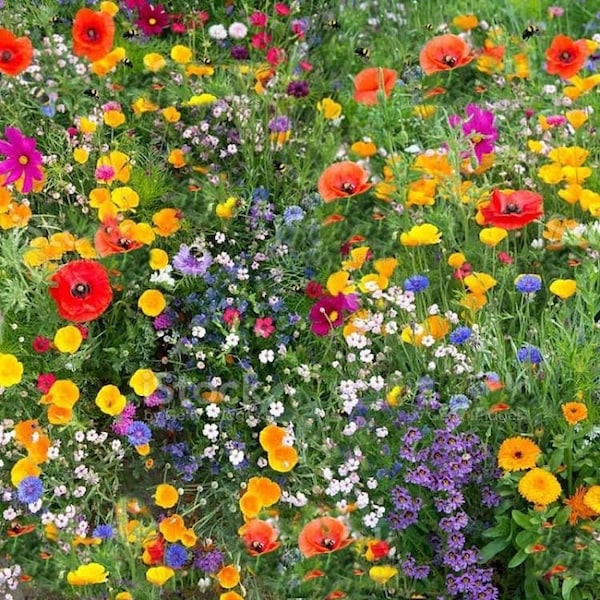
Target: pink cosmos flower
<point x="152" y="19"/>
<point x="263" y="327"/>
<point x="22" y="159"/>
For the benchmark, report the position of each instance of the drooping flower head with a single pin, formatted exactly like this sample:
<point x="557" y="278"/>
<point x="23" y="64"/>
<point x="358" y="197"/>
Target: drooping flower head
<point x="371" y="81"/>
<point x="343" y="180"/>
<point x="565" y="56"/>
<point x="93" y="34"/>
<point x="512" y="209"/>
<point x="22" y="159"/>
<point x="444" y="53"/>
<point x="16" y="53"/>
<point x="82" y="291"/>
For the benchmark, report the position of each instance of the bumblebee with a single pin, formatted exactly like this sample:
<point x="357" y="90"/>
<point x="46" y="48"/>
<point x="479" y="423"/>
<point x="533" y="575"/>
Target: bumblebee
<point x="41" y="96"/>
<point x="450" y="61"/>
<point x="428" y="27"/>
<point x="279" y="166"/>
<point x="130" y="33"/>
<point x="92" y="93"/>
<point x="363" y="53"/>
<point x="332" y="24"/>
<point x="127" y="62"/>
<point x="530" y="31"/>
<point x="56" y="20"/>
<point x="206" y="61"/>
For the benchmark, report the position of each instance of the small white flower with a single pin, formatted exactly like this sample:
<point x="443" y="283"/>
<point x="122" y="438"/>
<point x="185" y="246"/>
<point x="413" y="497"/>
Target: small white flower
<point x="238" y="31"/>
<point x="217" y="32"/>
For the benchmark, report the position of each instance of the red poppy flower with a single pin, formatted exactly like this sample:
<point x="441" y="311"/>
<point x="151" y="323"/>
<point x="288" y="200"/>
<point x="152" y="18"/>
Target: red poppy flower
<point x="93" y="34"/>
<point x="512" y="209"/>
<point x="444" y="53"/>
<point x="342" y="180"/>
<point x="82" y="290"/>
<point x="259" y="537"/>
<point x="323" y="535"/>
<point x="16" y="53"/>
<point x="565" y="56"/>
<point x="109" y="239"/>
<point x="369" y="82"/>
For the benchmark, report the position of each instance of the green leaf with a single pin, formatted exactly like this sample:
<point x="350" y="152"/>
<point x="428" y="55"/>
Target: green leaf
<point x="568" y="584"/>
<point x="532" y="589"/>
<point x="563" y="516"/>
<point x="517" y="559"/>
<point x="490" y="550"/>
<point x="556" y="459"/>
<point x="526" y="538"/>
<point x="521" y="519"/>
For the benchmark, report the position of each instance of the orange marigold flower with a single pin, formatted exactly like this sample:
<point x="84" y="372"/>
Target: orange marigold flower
<point x="573" y="412"/>
<point x="93" y="34"/>
<point x="444" y="53"/>
<point x="579" y="509"/>
<point x="518" y="454"/>
<point x="565" y="56"/>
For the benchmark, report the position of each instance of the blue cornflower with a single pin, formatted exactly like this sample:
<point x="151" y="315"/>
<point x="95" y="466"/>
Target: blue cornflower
<point x="260" y="193"/>
<point x="30" y="490"/>
<point x="191" y="261"/>
<point x="138" y="433"/>
<point x="459" y="402"/>
<point x="176" y="556"/>
<point x="104" y="532"/>
<point x="528" y="284"/>
<point x="416" y="283"/>
<point x="292" y="214"/>
<point x="460" y="335"/>
<point x="529" y="354"/>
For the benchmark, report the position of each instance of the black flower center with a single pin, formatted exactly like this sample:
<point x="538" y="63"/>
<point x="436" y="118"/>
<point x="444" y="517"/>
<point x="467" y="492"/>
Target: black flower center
<point x="449" y="60"/>
<point x="5" y="56"/>
<point x="518" y="454"/>
<point x="257" y="546"/>
<point x="91" y="34"/>
<point x="512" y="209"/>
<point x="80" y="290"/>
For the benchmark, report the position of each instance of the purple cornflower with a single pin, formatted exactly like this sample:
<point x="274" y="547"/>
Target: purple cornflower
<point x="528" y="284"/>
<point x="176" y="556"/>
<point x="460" y="335"/>
<point x="104" y="532"/>
<point x="416" y="283"/>
<point x="138" y="433"/>
<point x="529" y="354"/>
<point x="280" y="124"/>
<point x="209" y="562"/>
<point x="30" y="490"/>
<point x="164" y="320"/>
<point x="298" y="89"/>
<point x="188" y="261"/>
<point x="479" y="128"/>
<point x="22" y="159"/>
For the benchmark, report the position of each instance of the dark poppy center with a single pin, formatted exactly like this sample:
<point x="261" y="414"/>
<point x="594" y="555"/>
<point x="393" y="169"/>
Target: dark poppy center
<point x="91" y="34"/>
<point x="328" y="543"/>
<point x="80" y="290"/>
<point x="257" y="546"/>
<point x="348" y="187"/>
<point x="512" y="209"/>
<point x="565" y="56"/>
<point x="5" y="56"/>
<point x="449" y="60"/>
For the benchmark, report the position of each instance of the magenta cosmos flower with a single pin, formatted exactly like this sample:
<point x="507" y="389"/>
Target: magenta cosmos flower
<point x="479" y="128"/>
<point x="152" y="19"/>
<point x="22" y="159"/>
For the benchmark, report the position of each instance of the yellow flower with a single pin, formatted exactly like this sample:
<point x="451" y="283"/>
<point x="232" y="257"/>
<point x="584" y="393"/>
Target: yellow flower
<point x="230" y="596"/>
<point x="181" y="54"/>
<point x="143" y="105"/>
<point x="176" y="158"/>
<point x="123" y="596"/>
<point x="592" y="499"/>
<point x="166" y="496"/>
<point x="517" y="454"/>
<point x="201" y="100"/>
<point x="167" y="221"/>
<point x="421" y="192"/>
<point x="80" y="155"/>
<point x="114" y="118"/>
<point x="172" y="528"/>
<point x="479" y="283"/>
<point x="539" y="486"/>
<point x="358" y="257"/>
<point x="266" y="491"/>
<point x="125" y="198"/>
<point x="68" y="339"/>
<point x="152" y="303"/>
<point x="119" y="161"/>
<point x="62" y="393"/>
<point x="329" y="108"/>
<point x="465" y="22"/>
<point x="569" y="156"/>
<point x="110" y="400"/>
<point x="283" y="459"/>
<point x="576" y="174"/>
<point x="228" y="577"/>
<point x="171" y="114"/>
<point x="159" y="259"/>
<point x="338" y="283"/>
<point x="382" y="573"/>
<point x="159" y="575"/>
<point x="224" y="210"/>
<point x="112" y="9"/>
<point x="24" y="467"/>
<point x="421" y="235"/>
<point x="154" y="62"/>
<point x="199" y="70"/>
<point x="86" y="126"/>
<point x="188" y="538"/>
<point x="563" y="288"/>
<point x="89" y="574"/>
<point x="535" y="146"/>
<point x="492" y="236"/>
<point x="573" y="412"/>
<point x="364" y="149"/>
<point x="576" y="118"/>
<point x="144" y="382"/>
<point x="551" y="174"/>
<point x="11" y="370"/>
<point x="456" y="260"/>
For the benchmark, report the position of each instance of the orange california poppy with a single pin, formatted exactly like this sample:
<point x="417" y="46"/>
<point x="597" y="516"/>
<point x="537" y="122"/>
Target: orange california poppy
<point x="323" y="535"/>
<point x="342" y="180"/>
<point x="566" y="56"/>
<point x="259" y="537"/>
<point x="93" y="34"/>
<point x="109" y="239"/>
<point x="15" y="53"/>
<point x="444" y="53"/>
<point x="369" y="82"/>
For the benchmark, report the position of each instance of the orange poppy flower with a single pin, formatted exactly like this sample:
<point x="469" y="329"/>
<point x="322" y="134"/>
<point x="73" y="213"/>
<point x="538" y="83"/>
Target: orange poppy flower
<point x="110" y="239"/>
<point x="444" y="53"/>
<point x="16" y="53"/>
<point x="323" y="535"/>
<point x="342" y="180"/>
<point x="369" y="82"/>
<point x="93" y="34"/>
<point x="259" y="537"/>
<point x="565" y="57"/>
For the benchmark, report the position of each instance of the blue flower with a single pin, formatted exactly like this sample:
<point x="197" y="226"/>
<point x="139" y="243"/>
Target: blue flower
<point x="176" y="556"/>
<point x="30" y="490"/>
<point x="459" y="402"/>
<point x="529" y="354"/>
<point x="190" y="261"/>
<point x="104" y="532"/>
<point x="460" y="335"/>
<point x="138" y="433"/>
<point x="292" y="214"/>
<point x="416" y="283"/>
<point x="528" y="284"/>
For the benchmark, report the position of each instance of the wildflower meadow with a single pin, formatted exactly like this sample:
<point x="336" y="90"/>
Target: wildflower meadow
<point x="299" y="300"/>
